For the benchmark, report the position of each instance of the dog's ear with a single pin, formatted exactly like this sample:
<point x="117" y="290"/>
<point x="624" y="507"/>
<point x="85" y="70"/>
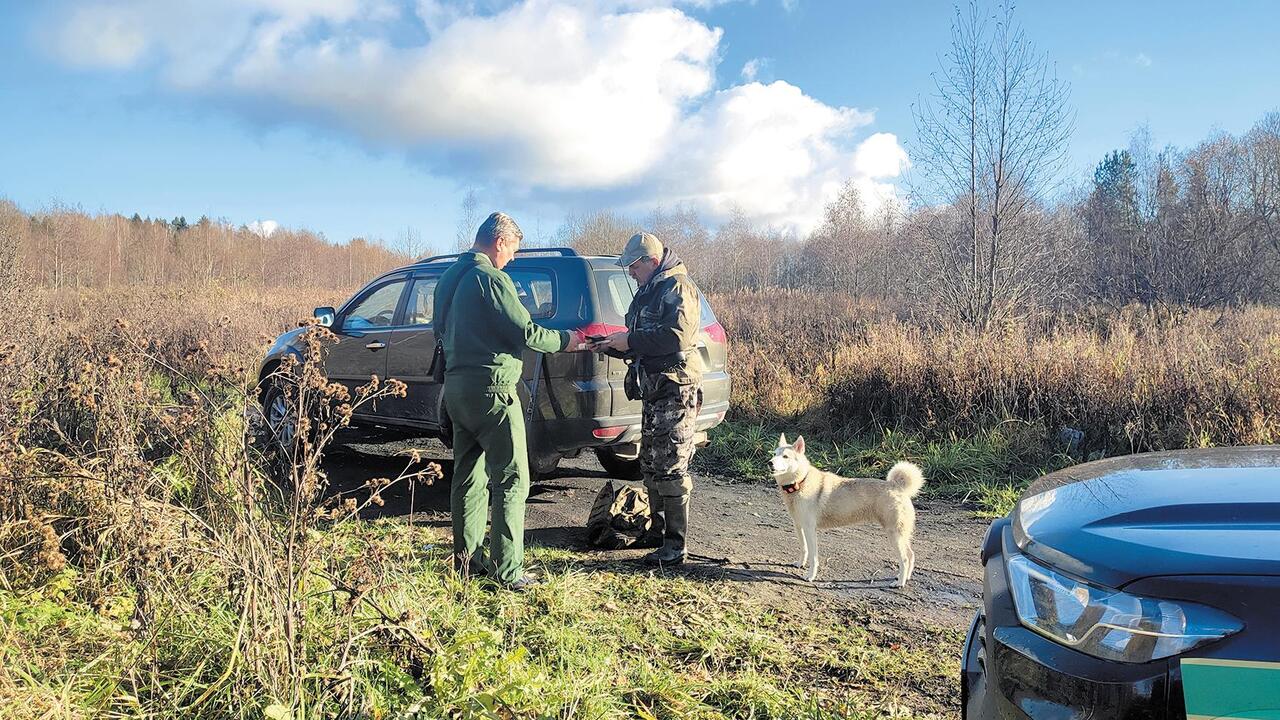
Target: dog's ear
<point x="799" y="446"/>
<point x="782" y="440"/>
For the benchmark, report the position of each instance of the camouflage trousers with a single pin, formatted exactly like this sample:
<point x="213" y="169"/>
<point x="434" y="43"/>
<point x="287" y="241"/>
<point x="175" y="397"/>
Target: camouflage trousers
<point x="667" y="433"/>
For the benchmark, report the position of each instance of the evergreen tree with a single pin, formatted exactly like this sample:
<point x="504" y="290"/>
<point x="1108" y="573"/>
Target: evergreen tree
<point x="1114" y="230"/>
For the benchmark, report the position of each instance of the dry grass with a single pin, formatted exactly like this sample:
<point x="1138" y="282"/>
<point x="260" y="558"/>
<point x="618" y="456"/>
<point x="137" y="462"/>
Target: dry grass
<point x="136" y="487"/>
<point x="159" y="558"/>
<point x="1131" y="381"/>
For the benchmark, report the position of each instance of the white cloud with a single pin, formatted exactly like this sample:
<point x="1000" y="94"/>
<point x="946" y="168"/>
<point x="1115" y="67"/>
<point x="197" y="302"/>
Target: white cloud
<point x="757" y="69"/>
<point x="778" y="155"/>
<point x="104" y="36"/>
<point x="545" y="98"/>
<point x="1142" y="60"/>
<point x="263" y="228"/>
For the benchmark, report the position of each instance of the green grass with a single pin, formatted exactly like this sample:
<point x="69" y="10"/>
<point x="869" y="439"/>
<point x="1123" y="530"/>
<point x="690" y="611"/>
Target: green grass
<point x="988" y="470"/>
<point x="597" y="640"/>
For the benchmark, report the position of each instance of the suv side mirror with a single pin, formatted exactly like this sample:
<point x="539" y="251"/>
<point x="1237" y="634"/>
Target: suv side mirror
<point x="325" y="315"/>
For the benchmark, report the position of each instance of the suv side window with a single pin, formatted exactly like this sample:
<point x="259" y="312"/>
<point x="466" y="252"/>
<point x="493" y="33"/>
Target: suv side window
<point x="420" y="307"/>
<point x="708" y="315"/>
<point x="617" y="288"/>
<point x="377" y="309"/>
<point x="536" y="290"/>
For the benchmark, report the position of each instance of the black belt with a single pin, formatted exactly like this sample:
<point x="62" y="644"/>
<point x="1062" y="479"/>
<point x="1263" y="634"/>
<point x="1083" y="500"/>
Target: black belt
<point x="659" y="368"/>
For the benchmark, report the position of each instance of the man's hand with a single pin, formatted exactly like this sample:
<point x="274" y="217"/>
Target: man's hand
<point x="617" y="341"/>
<point x="578" y="341"/>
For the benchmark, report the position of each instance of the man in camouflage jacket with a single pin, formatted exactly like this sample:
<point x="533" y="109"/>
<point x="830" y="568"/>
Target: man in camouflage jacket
<point x="662" y="324"/>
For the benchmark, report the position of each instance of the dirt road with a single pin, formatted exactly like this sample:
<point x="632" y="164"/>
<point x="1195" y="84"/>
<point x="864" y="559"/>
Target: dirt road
<point x="740" y="531"/>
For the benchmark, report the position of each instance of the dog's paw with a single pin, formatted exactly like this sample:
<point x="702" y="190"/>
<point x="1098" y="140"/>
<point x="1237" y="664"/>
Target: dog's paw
<point x="810" y="577"/>
<point x="799" y="564"/>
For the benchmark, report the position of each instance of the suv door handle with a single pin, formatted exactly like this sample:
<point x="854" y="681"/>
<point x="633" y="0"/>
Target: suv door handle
<point x="376" y="345"/>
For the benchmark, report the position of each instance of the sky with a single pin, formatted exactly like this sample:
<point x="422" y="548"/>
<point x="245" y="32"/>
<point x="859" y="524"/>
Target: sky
<point x="375" y="118"/>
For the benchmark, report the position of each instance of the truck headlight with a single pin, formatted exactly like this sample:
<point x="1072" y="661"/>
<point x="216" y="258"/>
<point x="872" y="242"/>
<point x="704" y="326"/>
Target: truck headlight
<point x="1107" y="623"/>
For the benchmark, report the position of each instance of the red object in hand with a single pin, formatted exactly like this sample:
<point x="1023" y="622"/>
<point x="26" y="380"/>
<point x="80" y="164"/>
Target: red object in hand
<point x="600" y="330"/>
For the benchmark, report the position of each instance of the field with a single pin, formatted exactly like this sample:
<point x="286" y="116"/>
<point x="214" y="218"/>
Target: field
<point x="984" y="413"/>
<point x="159" y="560"/>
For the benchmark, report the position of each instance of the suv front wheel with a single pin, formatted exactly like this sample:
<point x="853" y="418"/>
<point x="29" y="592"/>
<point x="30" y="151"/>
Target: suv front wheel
<point x="624" y="465"/>
<point x="279" y="417"/>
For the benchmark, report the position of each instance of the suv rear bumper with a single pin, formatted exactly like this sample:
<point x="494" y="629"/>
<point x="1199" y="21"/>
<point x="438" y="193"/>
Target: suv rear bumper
<point x="570" y="434"/>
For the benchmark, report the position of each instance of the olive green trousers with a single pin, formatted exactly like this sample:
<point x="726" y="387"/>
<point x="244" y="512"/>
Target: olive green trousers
<point x="490" y="473"/>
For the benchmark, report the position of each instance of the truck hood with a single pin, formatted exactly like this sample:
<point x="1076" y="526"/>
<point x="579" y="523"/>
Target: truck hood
<point x="1213" y="512"/>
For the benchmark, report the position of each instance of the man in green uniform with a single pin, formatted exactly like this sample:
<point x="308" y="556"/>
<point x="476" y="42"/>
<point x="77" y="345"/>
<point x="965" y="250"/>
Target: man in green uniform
<point x="662" y="326"/>
<point x="484" y="329"/>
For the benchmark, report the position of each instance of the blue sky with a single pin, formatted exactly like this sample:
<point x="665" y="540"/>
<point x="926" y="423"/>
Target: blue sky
<point x="372" y="117"/>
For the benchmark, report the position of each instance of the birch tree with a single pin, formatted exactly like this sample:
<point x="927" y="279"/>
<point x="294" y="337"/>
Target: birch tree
<point x="992" y="142"/>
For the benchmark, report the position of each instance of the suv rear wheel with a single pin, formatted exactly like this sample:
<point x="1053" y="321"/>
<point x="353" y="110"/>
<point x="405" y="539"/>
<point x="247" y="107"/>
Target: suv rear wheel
<point x="621" y="466"/>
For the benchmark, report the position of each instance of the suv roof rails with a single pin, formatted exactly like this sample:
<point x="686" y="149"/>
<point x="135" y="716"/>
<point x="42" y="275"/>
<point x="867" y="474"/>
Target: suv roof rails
<point x="530" y="252"/>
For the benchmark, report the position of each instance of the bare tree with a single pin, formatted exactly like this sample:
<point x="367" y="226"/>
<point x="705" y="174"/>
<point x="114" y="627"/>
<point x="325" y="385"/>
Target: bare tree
<point x="602" y="232"/>
<point x="681" y="228"/>
<point x="992" y="142"/>
<point x="12" y="234"/>
<point x="836" y="255"/>
<point x="1263" y="143"/>
<point x="468" y="221"/>
<point x="411" y="243"/>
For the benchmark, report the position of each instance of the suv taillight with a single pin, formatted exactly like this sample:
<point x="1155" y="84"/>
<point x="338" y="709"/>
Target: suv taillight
<point x="609" y="433"/>
<point x="715" y="331"/>
<point x="599" y="328"/>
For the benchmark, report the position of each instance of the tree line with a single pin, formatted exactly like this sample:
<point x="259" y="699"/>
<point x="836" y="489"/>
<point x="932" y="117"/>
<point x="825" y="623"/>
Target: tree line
<point x="65" y="248"/>
<point x="990" y="230"/>
<point x="1198" y="227"/>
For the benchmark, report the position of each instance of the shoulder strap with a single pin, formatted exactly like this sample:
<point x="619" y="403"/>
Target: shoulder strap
<point x="451" y="293"/>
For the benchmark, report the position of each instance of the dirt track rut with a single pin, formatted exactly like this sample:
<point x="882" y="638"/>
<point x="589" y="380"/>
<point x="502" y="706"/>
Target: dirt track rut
<point x="740" y="531"/>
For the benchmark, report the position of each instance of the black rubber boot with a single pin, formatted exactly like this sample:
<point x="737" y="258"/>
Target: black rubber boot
<point x="652" y="537"/>
<point x="672" y="551"/>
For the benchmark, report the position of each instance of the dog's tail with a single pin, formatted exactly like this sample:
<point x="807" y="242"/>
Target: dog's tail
<point x="905" y="479"/>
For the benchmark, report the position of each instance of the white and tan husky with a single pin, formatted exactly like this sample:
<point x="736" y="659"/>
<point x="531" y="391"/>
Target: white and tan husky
<point x="819" y="499"/>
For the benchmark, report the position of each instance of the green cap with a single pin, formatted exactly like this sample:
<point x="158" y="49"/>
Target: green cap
<point x="640" y="245"/>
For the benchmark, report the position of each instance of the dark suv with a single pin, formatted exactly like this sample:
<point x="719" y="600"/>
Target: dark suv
<point x="572" y="401"/>
<point x="1144" y="586"/>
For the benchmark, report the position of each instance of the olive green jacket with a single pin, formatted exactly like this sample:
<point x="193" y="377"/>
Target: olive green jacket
<point x="485" y="327"/>
<point x="663" y="321"/>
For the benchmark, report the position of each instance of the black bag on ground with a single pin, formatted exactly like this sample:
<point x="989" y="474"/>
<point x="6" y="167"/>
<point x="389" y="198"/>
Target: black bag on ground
<point x="619" y="516"/>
